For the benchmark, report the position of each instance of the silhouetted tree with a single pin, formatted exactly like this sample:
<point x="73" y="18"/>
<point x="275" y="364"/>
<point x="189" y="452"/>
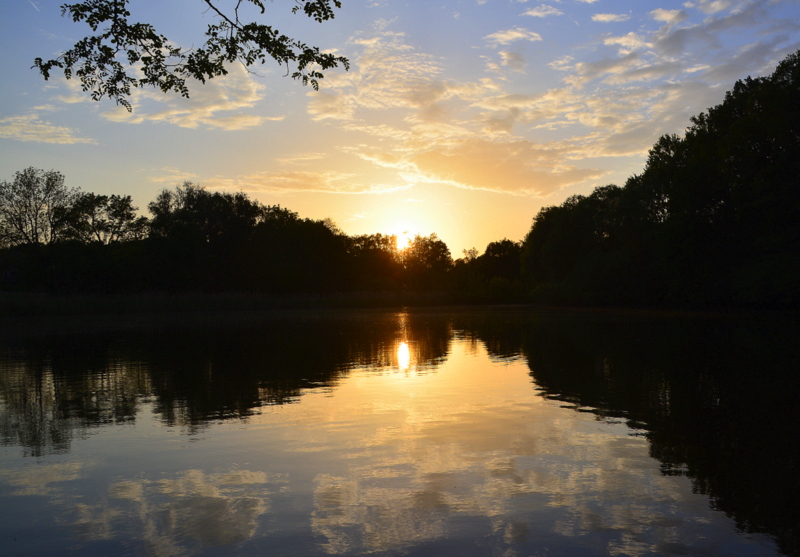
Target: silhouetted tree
<point x="32" y="205"/>
<point x="101" y="218"/>
<point x="122" y="54"/>
<point x="712" y="219"/>
<point x="426" y="261"/>
<point x="375" y="262"/>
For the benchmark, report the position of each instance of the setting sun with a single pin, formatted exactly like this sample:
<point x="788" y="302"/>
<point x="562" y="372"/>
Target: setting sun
<point x="403" y="240"/>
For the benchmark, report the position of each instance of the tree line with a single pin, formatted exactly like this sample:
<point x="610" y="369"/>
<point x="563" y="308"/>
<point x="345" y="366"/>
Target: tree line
<point x="713" y="219"/>
<point x="58" y="239"/>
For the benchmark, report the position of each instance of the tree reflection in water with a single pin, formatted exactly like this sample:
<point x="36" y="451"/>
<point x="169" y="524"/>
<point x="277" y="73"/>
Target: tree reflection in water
<point x="713" y="398"/>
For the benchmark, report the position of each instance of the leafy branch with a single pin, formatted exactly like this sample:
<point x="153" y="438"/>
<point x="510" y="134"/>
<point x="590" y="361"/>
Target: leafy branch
<point x="121" y="54"/>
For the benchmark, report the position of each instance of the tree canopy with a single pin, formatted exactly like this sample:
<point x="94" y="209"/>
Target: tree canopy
<point x="711" y="220"/>
<point x="32" y="206"/>
<point x="122" y="54"/>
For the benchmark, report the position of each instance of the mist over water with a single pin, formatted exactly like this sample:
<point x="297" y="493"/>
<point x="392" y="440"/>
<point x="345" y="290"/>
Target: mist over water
<point x="492" y="432"/>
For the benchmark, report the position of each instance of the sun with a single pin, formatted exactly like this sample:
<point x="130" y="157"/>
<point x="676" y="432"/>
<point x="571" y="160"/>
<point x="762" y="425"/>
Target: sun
<point x="403" y="240"/>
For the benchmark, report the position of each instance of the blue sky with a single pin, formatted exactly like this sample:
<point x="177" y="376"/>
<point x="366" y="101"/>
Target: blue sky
<point x="457" y="117"/>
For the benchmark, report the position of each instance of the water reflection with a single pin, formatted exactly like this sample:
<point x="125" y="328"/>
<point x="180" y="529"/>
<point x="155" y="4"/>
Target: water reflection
<point x="415" y="433"/>
<point x="58" y="387"/>
<point x="403" y="356"/>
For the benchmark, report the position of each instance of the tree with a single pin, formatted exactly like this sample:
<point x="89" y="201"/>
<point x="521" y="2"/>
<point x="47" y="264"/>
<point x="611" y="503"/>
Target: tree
<point x="375" y="261"/>
<point x="427" y="260"/>
<point x="122" y="54"/>
<point x="32" y="207"/>
<point x="104" y="219"/>
<point x="501" y="259"/>
<point x="191" y="214"/>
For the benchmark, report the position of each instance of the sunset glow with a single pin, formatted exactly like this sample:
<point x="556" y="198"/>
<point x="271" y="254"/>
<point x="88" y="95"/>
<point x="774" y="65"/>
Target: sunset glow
<point x="403" y="240"/>
<point x="403" y="356"/>
<point x="465" y="117"/>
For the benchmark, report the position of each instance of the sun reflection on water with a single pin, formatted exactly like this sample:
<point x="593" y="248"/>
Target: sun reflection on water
<point x="403" y="356"/>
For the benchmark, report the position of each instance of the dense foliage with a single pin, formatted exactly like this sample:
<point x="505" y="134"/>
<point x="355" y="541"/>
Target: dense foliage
<point x="713" y="219"/>
<point x="195" y="241"/>
<point x="123" y="53"/>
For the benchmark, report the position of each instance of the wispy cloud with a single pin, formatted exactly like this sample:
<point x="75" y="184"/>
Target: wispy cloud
<point x="627" y="43"/>
<point x="672" y="17"/>
<point x="610" y="18"/>
<point x="518" y="167"/>
<point x="615" y="100"/>
<point x="218" y="104"/>
<point x="543" y="11"/>
<point x="511" y="35"/>
<point x="388" y="74"/>
<point x="304" y="181"/>
<point x="710" y="6"/>
<point x="31" y="127"/>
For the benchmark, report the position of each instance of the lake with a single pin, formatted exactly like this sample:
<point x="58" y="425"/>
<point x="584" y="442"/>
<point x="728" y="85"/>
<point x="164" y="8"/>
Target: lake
<point x="503" y="432"/>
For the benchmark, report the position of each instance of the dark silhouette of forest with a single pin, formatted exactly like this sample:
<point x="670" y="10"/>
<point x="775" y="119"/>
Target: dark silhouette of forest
<point x="712" y="220"/>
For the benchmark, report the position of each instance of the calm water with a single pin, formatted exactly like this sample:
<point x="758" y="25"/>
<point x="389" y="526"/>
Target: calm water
<point x="505" y="433"/>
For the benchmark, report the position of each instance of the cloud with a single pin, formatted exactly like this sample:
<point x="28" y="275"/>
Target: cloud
<point x="31" y="128"/>
<point x="542" y="11"/>
<point x="710" y="6"/>
<point x="753" y="17"/>
<point x="294" y="181"/>
<point x="511" y="35"/>
<point x="520" y="166"/>
<point x="671" y="17"/>
<point x="585" y="72"/>
<point x="627" y="43"/>
<point x="614" y="101"/>
<point x="179" y="515"/>
<point x="42" y="480"/>
<point x="514" y="60"/>
<point x="217" y="104"/>
<point x="387" y="74"/>
<point x="610" y="18"/>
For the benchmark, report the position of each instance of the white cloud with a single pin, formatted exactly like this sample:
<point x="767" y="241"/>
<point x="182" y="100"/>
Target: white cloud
<point x="627" y="43"/>
<point x="610" y="18"/>
<point x="711" y="6"/>
<point x="671" y="17"/>
<point x="217" y="104"/>
<point x="387" y="74"/>
<point x="31" y="128"/>
<point x="511" y="35"/>
<point x="542" y="11"/>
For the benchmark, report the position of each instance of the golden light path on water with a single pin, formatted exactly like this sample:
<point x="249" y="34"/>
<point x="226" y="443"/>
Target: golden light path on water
<point x="418" y="447"/>
<point x="403" y="356"/>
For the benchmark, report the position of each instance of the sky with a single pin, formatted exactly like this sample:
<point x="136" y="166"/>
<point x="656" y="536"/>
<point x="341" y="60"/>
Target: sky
<point x="457" y="117"/>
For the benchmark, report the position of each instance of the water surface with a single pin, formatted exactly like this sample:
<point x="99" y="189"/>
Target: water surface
<point x="504" y="432"/>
